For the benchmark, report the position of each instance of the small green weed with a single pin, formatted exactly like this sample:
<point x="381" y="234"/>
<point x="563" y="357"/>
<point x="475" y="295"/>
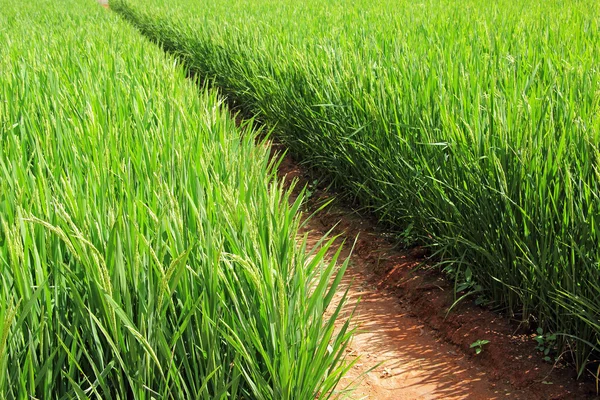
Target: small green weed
<point x="478" y="345"/>
<point x="546" y="343"/>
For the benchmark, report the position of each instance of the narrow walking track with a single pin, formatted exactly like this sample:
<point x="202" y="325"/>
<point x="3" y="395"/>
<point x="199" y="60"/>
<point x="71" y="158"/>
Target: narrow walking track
<point x="415" y="365"/>
<point x="401" y="357"/>
<point x="406" y="360"/>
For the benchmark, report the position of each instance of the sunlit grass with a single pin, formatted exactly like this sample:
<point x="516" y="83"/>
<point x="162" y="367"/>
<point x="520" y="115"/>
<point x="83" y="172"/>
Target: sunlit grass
<point x="147" y="249"/>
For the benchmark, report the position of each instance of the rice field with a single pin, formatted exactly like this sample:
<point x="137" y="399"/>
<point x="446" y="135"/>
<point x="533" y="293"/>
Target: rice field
<point x="147" y="249"/>
<point x="468" y="127"/>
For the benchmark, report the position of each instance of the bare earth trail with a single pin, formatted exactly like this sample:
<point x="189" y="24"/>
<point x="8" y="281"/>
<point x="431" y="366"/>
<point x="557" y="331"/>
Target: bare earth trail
<point x="406" y="360"/>
<point x="415" y="365"/>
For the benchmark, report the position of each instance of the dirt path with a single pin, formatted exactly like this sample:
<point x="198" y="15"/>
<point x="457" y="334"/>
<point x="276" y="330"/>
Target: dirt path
<point x="416" y="365"/>
<point x="406" y="358"/>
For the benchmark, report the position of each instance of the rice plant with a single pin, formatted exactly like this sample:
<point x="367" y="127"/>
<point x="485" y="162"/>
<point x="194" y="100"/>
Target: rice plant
<point x="147" y="249"/>
<point x="471" y="127"/>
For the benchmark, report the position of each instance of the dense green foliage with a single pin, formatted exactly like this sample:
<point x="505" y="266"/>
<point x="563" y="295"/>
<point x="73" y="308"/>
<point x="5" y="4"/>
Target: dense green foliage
<point x="471" y="127"/>
<point x="147" y="249"/>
